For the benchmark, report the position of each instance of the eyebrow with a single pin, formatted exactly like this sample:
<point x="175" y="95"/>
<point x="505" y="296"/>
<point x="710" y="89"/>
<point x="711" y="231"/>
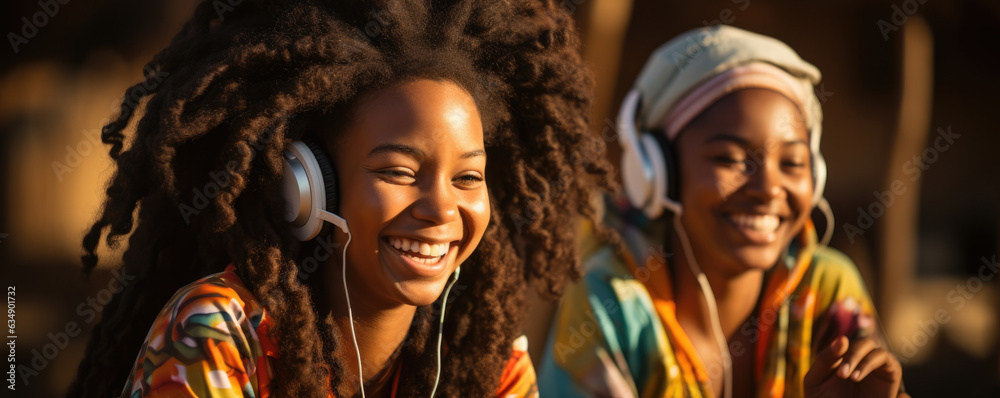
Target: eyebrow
<point x="398" y="148"/>
<point x="744" y="142"/>
<point x="416" y="153"/>
<point x="472" y="154"/>
<point x="728" y="137"/>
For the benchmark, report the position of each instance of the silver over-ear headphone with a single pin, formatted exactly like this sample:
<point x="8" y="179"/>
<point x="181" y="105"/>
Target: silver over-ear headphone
<point x="649" y="175"/>
<point x="646" y="175"/>
<point x="309" y="186"/>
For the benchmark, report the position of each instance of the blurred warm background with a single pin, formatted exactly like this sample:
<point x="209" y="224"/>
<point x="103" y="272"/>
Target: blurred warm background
<point x="895" y="74"/>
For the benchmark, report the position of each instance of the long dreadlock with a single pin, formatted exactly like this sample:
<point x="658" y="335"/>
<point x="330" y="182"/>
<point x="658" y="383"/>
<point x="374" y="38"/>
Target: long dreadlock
<point x="243" y="84"/>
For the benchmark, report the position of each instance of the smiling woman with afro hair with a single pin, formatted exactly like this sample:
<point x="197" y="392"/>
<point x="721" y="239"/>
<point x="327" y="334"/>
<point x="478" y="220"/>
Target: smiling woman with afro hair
<point x="197" y="191"/>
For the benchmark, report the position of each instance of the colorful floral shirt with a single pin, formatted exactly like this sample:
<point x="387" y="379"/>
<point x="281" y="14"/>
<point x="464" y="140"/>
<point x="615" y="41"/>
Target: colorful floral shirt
<point x="616" y="333"/>
<point x="211" y="340"/>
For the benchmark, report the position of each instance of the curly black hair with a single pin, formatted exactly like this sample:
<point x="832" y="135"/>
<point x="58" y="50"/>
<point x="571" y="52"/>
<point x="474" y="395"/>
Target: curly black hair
<point x="244" y="82"/>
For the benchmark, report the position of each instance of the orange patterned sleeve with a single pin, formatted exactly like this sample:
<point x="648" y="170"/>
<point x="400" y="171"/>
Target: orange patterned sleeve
<point x="518" y="378"/>
<point x="205" y="343"/>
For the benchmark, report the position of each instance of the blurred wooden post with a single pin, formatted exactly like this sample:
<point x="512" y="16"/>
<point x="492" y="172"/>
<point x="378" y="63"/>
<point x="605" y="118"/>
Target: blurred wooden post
<point x="899" y="236"/>
<point x="604" y="39"/>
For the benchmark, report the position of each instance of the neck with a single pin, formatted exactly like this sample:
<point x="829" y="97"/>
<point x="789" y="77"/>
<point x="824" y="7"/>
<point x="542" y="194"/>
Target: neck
<point x="380" y="329"/>
<point x="735" y="295"/>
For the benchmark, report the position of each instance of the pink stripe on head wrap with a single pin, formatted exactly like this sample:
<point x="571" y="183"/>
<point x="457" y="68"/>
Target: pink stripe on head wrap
<point x="752" y="75"/>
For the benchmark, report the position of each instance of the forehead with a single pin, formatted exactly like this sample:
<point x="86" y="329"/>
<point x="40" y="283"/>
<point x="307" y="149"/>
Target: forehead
<point x="756" y="115"/>
<point x="426" y="108"/>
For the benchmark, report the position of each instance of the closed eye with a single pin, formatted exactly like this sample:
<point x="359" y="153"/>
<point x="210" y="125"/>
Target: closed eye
<point x="731" y="162"/>
<point x="397" y="176"/>
<point x="469" y="180"/>
<point x="726" y="160"/>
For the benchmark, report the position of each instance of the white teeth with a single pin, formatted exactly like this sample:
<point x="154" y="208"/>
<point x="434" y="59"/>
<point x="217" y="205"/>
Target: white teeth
<point x="766" y="223"/>
<point x="417" y="247"/>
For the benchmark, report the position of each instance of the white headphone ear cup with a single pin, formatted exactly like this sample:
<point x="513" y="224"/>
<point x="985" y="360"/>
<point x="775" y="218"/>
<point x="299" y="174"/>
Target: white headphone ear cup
<point x="658" y="176"/>
<point x="302" y="188"/>
<point x="819" y="177"/>
<point x="645" y="173"/>
<point x="634" y="170"/>
<point x="635" y="179"/>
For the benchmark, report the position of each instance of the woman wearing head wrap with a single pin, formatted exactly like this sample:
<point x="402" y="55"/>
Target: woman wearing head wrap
<point x="719" y="285"/>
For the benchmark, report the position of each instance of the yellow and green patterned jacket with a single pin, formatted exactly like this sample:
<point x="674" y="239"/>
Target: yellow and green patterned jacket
<point x="616" y="334"/>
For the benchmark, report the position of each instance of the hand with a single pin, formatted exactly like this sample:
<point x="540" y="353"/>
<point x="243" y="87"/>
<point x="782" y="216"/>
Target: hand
<point x="854" y="369"/>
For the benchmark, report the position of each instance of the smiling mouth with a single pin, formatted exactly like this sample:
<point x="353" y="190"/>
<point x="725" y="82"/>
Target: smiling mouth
<point x="755" y="222"/>
<point x="418" y="251"/>
<point x="757" y="228"/>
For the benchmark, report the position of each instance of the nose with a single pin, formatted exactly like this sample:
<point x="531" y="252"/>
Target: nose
<point x="438" y="204"/>
<point x="764" y="181"/>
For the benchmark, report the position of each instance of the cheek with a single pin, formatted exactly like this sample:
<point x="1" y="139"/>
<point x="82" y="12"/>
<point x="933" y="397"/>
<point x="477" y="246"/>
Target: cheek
<point x="475" y="212"/>
<point x="370" y="204"/>
<point x="800" y="192"/>
<point x="477" y="208"/>
<point x="703" y="184"/>
<point x="726" y="182"/>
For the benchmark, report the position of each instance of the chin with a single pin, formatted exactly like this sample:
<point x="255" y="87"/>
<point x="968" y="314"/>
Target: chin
<point x="757" y="258"/>
<point x="420" y="293"/>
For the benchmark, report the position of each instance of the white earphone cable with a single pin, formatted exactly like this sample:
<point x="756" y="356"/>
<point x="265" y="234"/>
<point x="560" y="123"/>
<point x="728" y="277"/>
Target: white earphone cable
<point x="713" y="308"/>
<point x="350" y="315"/>
<point x="354" y="338"/>
<point x="824" y="207"/>
<point x="444" y="302"/>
